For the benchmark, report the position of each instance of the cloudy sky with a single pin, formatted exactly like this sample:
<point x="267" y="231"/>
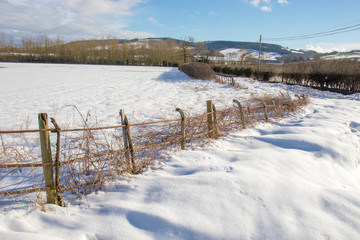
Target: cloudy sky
<point x="321" y="25"/>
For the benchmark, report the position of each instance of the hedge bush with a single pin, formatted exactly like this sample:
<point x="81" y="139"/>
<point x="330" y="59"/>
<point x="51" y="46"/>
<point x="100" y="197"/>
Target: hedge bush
<point x="198" y="70"/>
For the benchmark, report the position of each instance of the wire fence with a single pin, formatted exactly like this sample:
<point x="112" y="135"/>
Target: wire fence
<point x="81" y="160"/>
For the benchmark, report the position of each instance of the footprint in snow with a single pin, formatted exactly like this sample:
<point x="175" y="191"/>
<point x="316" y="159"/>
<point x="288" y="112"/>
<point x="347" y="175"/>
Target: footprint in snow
<point x="185" y="172"/>
<point x="355" y="127"/>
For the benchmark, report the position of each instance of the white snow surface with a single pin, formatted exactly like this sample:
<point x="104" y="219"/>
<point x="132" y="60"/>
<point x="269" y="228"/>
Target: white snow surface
<point x="293" y="179"/>
<point x="342" y="56"/>
<point x="236" y="54"/>
<point x="145" y="93"/>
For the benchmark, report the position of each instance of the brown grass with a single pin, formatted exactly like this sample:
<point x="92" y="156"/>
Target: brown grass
<point x="90" y="158"/>
<point x="198" y="70"/>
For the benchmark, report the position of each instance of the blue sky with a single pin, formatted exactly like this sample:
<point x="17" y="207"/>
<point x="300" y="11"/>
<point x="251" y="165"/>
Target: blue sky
<point x="236" y="20"/>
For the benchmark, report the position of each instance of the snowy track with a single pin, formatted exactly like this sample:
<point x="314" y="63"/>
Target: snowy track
<point x="297" y="179"/>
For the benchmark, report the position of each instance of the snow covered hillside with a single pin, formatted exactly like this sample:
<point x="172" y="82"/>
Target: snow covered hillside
<point x="294" y="179"/>
<point x="351" y="55"/>
<point x="238" y="55"/>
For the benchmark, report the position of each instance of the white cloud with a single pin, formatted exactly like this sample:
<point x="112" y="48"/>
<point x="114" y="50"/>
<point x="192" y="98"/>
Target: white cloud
<point x="18" y="2"/>
<point x="331" y="47"/>
<point x="264" y="5"/>
<point x="255" y="2"/>
<point x="266" y="8"/>
<point x="71" y="19"/>
<point x="282" y="1"/>
<point x="214" y="13"/>
<point x="154" y="22"/>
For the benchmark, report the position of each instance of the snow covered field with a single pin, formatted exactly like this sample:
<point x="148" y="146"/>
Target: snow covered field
<point x="143" y="92"/>
<point x="296" y="179"/>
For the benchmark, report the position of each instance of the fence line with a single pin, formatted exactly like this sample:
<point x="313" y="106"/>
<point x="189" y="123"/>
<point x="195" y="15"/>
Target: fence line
<point x="75" y="166"/>
<point x="225" y="79"/>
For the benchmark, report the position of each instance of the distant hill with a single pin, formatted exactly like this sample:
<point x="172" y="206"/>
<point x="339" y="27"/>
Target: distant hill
<point x="266" y="47"/>
<point x="285" y="54"/>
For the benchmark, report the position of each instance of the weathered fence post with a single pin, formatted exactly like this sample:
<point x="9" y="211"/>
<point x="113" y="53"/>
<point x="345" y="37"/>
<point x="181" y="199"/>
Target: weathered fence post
<point x="232" y="81"/>
<point x="125" y="138"/>
<point x="211" y="119"/>
<point x="57" y="163"/>
<point x="128" y="144"/>
<point x="46" y="158"/>
<point x="265" y="110"/>
<point x="241" y="113"/>
<point x="215" y="121"/>
<point x="182" y="128"/>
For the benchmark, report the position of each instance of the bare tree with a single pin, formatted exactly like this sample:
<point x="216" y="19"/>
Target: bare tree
<point x="185" y="46"/>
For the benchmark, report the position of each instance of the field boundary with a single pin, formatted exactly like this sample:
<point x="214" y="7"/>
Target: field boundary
<point x="340" y="76"/>
<point x="80" y="160"/>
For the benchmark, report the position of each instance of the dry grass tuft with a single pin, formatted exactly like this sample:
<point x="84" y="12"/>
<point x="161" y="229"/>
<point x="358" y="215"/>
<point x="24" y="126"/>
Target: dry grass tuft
<point x="41" y="203"/>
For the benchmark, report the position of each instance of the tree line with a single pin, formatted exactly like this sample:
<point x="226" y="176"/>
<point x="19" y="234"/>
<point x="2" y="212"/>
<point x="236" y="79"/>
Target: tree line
<point x="150" y="52"/>
<point x="340" y="75"/>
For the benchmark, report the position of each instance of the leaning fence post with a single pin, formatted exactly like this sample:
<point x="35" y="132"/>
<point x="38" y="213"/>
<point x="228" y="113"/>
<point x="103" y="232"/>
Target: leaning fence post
<point x="265" y="110"/>
<point x="182" y="128"/>
<point x="57" y="163"/>
<point x="125" y="138"/>
<point x="211" y="118"/>
<point x="46" y="158"/>
<point x="241" y="113"/>
<point x="215" y="121"/>
<point x="128" y="144"/>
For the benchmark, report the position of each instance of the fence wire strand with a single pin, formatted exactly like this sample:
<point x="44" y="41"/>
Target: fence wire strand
<point x="88" y="157"/>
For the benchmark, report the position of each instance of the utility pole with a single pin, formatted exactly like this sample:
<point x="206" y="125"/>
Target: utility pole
<point x="259" y="59"/>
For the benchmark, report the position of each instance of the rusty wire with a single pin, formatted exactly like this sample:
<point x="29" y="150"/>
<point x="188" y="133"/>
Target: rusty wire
<point x="102" y="156"/>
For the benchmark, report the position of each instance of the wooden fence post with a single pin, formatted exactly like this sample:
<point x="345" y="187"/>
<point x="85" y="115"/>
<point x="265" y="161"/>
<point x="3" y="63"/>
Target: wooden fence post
<point x="128" y="144"/>
<point x="183" y="134"/>
<point x="46" y="158"/>
<point x="232" y="81"/>
<point x="215" y="121"/>
<point x="125" y="139"/>
<point x="211" y="119"/>
<point x="57" y="163"/>
<point x="241" y="113"/>
<point x="265" y="110"/>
